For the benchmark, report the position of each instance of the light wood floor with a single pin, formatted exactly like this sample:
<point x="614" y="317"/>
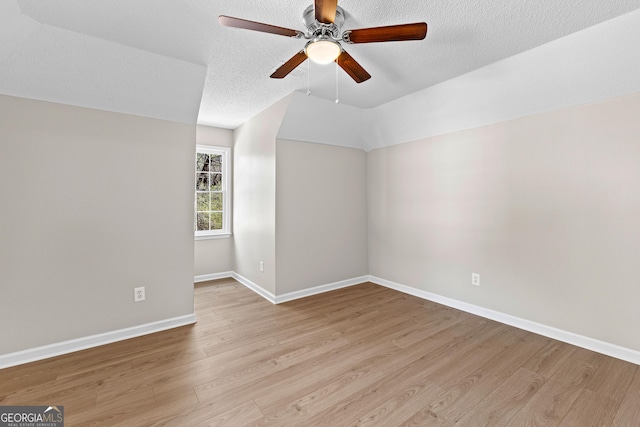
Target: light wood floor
<point x="364" y="355"/>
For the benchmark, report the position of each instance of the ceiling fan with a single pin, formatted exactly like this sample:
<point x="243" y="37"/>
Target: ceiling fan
<point x="324" y="20"/>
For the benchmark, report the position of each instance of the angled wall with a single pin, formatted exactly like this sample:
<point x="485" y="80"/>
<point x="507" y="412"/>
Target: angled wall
<point x="49" y="63"/>
<point x="313" y="119"/>
<point x="594" y="64"/>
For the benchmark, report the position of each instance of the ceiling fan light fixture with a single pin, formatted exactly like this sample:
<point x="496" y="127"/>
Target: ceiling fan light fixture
<point x="323" y="51"/>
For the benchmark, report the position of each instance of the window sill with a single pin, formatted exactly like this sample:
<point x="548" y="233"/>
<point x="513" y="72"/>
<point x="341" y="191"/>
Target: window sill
<point x="213" y="236"/>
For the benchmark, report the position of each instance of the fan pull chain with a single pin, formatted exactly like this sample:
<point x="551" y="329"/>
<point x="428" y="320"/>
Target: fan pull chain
<point x="337" y="92"/>
<point x="308" y="77"/>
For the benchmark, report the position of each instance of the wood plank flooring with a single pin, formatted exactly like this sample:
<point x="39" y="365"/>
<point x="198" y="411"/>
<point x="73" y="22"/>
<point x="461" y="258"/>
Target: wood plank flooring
<point x="360" y="356"/>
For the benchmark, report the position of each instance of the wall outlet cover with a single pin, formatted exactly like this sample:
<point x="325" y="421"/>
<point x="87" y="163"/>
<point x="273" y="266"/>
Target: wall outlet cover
<point x="475" y="279"/>
<point x="138" y="294"/>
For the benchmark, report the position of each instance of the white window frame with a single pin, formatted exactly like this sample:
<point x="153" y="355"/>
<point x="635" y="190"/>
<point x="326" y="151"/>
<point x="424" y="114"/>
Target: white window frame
<point x="225" y="232"/>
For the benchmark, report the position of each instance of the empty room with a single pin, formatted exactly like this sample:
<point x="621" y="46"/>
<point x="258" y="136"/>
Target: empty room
<point x="319" y="213"/>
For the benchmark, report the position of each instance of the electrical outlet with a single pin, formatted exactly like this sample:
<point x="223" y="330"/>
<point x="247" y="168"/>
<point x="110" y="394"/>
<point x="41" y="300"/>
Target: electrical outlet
<point x="475" y="279"/>
<point x="138" y="294"/>
<point x="262" y="266"/>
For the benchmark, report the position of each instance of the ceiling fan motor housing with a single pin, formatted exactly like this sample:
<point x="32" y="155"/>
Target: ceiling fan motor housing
<point x="319" y="30"/>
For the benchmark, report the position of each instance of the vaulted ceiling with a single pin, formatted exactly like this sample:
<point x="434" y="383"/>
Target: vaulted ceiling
<point x="171" y="59"/>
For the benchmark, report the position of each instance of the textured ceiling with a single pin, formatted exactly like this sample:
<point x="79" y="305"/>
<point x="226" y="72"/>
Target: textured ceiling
<point x="52" y="41"/>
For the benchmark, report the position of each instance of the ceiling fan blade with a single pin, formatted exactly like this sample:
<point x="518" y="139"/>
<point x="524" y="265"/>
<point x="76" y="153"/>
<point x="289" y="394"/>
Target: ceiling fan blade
<point x="245" y="24"/>
<point x="325" y="10"/>
<point x="391" y="33"/>
<point x="355" y="70"/>
<point x="289" y="66"/>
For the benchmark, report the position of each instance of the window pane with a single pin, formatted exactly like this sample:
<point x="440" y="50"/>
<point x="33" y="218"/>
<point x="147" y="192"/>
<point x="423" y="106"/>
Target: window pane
<point x="202" y="181"/>
<point x="209" y="180"/>
<point x="216" y="201"/>
<point x="202" y="202"/>
<point x="216" y="182"/>
<point x="202" y="219"/>
<point x="215" y="163"/>
<point x="216" y="220"/>
<point x="202" y="162"/>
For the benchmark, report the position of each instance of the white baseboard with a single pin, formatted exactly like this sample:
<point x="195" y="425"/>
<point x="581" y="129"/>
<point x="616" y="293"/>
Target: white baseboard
<point x="52" y="350"/>
<point x="598" y="346"/>
<point x="212" y="276"/>
<point x="255" y="288"/>
<point x="297" y="294"/>
<point x="320" y="289"/>
<point x="57" y="349"/>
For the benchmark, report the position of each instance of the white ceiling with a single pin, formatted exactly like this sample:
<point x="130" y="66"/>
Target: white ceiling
<point x="171" y="59"/>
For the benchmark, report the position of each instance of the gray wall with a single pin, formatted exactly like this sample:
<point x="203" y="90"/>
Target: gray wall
<point x="321" y="215"/>
<point x="93" y="204"/>
<point x="546" y="208"/>
<point x="254" y="210"/>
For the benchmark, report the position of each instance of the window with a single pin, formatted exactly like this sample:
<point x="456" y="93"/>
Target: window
<point x="212" y="192"/>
